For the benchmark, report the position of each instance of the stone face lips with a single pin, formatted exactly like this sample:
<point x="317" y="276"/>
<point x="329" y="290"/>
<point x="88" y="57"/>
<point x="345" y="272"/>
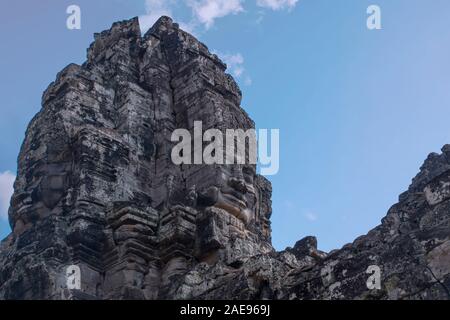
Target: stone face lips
<point x="97" y="189"/>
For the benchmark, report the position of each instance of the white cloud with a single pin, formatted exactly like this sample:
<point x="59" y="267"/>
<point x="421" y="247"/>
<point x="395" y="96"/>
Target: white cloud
<point x="311" y="216"/>
<point x="260" y="16"/>
<point x="6" y="191"/>
<point x="235" y="64"/>
<point x="206" y="11"/>
<point x="277" y="4"/>
<point x="155" y="9"/>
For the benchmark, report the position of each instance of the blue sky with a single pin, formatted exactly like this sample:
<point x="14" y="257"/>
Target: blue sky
<point x="358" y="110"/>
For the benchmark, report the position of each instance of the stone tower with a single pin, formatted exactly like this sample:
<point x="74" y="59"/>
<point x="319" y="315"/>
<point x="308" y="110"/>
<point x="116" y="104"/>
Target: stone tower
<point x="97" y="188"/>
<point x="98" y="196"/>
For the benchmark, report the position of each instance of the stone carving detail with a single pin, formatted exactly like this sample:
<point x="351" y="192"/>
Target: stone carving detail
<point x="96" y="189"/>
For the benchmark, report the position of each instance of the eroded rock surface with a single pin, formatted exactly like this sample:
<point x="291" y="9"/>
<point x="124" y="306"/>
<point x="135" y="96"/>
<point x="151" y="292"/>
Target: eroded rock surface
<point x="97" y="189"/>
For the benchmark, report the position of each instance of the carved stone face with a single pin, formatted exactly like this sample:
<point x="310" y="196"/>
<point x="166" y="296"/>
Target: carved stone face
<point x="233" y="190"/>
<point x="52" y="189"/>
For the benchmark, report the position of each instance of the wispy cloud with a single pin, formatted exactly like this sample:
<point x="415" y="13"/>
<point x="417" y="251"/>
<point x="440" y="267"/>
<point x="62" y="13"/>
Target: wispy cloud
<point x="154" y="10"/>
<point x="6" y="191"/>
<point x="311" y="216"/>
<point x="261" y="14"/>
<point x="277" y="4"/>
<point x="292" y="208"/>
<point x="207" y="11"/>
<point x="289" y="205"/>
<point x="235" y="64"/>
<point x="204" y="12"/>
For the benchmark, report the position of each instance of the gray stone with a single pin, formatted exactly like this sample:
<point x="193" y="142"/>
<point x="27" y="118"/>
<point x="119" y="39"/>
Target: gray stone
<point x="96" y="188"/>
